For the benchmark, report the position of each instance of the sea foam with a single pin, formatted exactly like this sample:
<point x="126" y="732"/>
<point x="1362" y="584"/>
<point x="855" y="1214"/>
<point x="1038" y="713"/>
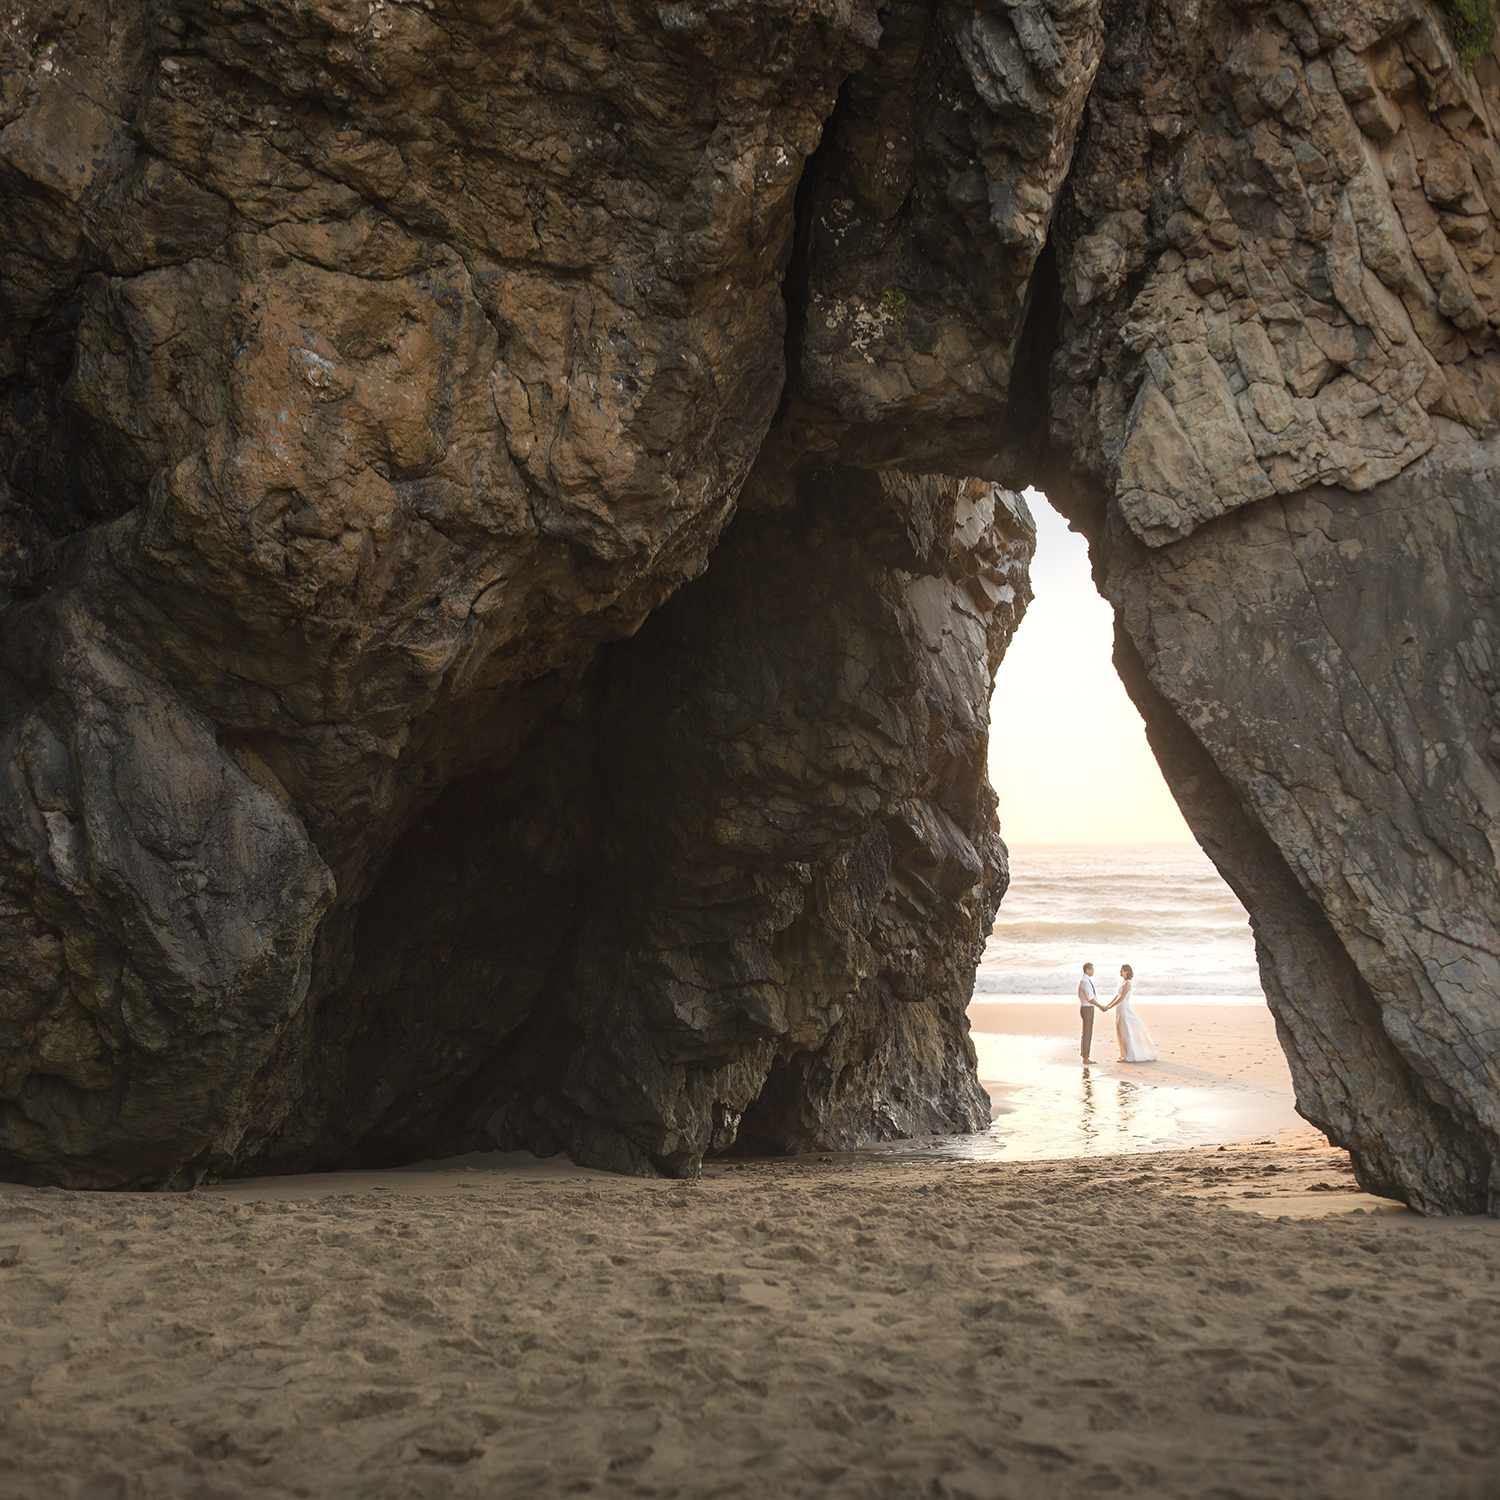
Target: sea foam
<point x="1162" y="908"/>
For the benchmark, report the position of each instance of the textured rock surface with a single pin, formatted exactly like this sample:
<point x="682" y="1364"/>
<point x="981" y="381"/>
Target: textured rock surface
<point x="798" y="858"/>
<point x="379" y="772"/>
<point x="366" y="370"/>
<point x="755" y="842"/>
<point x="924" y="217"/>
<point x="1277" y="261"/>
<point x="1275" y="418"/>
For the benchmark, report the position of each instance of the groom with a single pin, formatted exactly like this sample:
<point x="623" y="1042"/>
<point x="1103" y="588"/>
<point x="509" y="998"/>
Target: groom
<point x="1087" y="1001"/>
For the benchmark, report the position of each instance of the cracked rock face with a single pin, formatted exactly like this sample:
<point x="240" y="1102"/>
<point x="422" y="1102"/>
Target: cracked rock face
<point x="732" y="891"/>
<point x="366" y="371"/>
<point x="504" y="555"/>
<point x="1275" y="414"/>
<point x="1279" y="258"/>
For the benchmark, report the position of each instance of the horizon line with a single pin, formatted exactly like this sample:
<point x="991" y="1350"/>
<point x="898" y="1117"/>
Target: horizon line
<point x="1101" y="843"/>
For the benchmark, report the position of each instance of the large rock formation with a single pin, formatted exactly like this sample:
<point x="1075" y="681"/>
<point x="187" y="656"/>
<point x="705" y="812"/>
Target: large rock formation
<point x="733" y="888"/>
<point x="367" y="371"/>
<point x="1274" y="399"/>
<point x="488" y="654"/>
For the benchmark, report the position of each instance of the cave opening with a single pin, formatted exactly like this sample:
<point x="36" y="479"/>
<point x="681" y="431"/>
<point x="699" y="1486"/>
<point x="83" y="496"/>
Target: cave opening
<point x="1101" y="867"/>
<point x="674" y="858"/>
<point x="1068" y="751"/>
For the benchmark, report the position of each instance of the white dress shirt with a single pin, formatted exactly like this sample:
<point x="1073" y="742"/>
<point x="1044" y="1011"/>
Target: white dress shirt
<point x="1086" y="995"/>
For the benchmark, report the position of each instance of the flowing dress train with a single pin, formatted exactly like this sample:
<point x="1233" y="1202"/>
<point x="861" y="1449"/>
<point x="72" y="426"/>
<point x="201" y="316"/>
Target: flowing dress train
<point x="1135" y="1041"/>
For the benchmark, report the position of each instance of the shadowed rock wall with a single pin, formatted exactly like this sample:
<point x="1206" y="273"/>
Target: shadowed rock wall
<point x="364" y="371"/>
<point x="1275" y="394"/>
<point x="757" y="837"/>
<point x="382" y="772"/>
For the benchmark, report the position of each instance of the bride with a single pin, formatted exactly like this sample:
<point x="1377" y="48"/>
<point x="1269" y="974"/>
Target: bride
<point x="1135" y="1041"/>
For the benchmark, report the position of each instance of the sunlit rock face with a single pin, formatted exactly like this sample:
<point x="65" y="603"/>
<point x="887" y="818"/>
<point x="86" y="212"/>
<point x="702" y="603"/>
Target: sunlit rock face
<point x="487" y="658"/>
<point x="1266" y="315"/>
<point x="1273" y="405"/>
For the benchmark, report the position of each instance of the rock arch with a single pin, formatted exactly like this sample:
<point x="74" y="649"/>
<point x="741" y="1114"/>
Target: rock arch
<point x="506" y="543"/>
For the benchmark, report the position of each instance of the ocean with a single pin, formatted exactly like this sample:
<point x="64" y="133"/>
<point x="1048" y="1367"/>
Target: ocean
<point x="1162" y="908"/>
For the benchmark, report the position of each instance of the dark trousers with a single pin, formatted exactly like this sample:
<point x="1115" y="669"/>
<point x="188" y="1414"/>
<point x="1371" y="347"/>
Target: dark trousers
<point x="1086" y="1012"/>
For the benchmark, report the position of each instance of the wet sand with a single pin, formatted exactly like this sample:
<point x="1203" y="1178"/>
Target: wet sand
<point x="1221" y="1076"/>
<point x="1167" y="1325"/>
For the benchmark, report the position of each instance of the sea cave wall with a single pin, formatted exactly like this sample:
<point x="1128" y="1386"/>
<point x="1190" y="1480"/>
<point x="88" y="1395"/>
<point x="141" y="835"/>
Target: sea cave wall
<point x="508" y="527"/>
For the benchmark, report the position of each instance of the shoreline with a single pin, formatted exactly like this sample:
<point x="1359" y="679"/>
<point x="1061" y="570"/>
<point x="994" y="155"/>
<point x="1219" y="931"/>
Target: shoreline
<point x="1154" y="1324"/>
<point x="1233" y="1043"/>
<point x="1220" y="1077"/>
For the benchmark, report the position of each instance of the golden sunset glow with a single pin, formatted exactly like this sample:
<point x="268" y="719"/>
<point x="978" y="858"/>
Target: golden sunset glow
<point x="1068" y="751"/>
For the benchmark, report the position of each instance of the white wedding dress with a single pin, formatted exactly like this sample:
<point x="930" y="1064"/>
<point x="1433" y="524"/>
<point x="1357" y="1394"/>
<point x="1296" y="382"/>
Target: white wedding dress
<point x="1135" y="1041"/>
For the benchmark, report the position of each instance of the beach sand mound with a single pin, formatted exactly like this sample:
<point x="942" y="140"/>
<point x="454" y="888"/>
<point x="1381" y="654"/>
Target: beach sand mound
<point x="829" y="1327"/>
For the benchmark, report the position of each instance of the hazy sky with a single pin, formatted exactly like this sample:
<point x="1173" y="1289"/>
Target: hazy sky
<point x="1068" y="752"/>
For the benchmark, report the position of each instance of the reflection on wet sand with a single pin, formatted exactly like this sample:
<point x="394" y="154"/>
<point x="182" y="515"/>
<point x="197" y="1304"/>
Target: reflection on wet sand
<point x="1046" y="1104"/>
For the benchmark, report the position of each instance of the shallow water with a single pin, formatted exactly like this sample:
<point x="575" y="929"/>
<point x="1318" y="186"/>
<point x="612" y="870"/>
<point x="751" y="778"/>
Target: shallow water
<point x="1047" y="1106"/>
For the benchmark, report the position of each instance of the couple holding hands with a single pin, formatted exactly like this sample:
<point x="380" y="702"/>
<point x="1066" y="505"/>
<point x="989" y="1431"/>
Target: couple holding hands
<point x="1135" y="1041"/>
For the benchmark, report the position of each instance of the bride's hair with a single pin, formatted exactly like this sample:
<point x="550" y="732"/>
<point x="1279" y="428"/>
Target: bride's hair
<point x="1127" y="971"/>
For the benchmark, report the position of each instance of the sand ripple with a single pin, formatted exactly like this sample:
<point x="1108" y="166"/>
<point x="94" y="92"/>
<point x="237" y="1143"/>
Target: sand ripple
<point x="840" y="1329"/>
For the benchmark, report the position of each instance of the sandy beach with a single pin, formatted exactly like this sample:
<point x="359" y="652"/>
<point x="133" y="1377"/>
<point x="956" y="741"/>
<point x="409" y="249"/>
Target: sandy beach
<point x="503" y="1327"/>
<point x="1231" y="1045"/>
<point x="1220" y="1076"/>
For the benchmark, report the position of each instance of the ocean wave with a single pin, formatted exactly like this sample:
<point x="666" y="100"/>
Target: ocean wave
<point x="1170" y="915"/>
<point x="1036" y="931"/>
<point x="1166" y="911"/>
<point x="1148" y="959"/>
<point x="1156" y="971"/>
<point x="1228" y="985"/>
<point x="1151" y="888"/>
<point x="1165" y="997"/>
<point x="1135" y="893"/>
<point x="1104" y="930"/>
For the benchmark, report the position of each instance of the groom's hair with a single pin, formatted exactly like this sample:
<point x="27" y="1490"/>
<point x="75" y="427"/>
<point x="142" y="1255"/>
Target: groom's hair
<point x="1088" y="968"/>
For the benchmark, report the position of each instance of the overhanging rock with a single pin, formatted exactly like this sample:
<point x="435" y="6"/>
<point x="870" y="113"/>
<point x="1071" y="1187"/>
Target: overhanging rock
<point x="505" y="553"/>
